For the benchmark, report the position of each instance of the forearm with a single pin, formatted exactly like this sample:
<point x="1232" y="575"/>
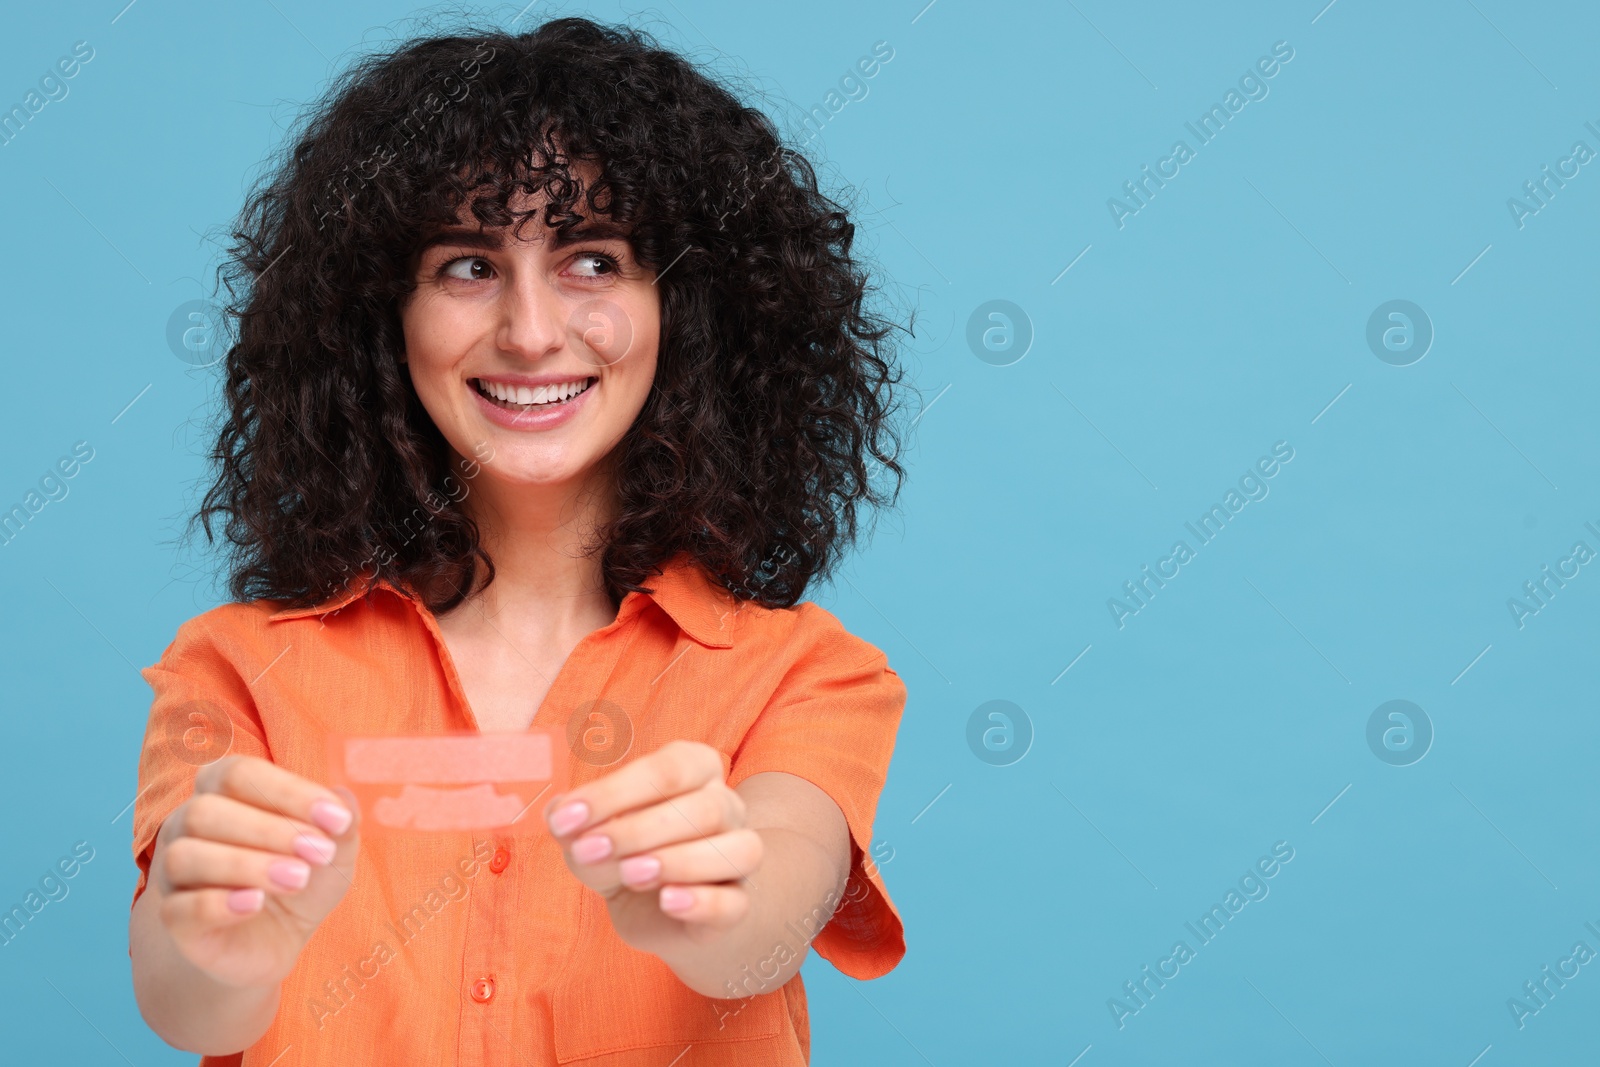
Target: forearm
<point x="791" y="898"/>
<point x="188" y="1009"/>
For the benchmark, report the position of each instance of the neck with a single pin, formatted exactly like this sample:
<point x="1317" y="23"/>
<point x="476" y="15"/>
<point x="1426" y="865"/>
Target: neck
<point x="540" y="538"/>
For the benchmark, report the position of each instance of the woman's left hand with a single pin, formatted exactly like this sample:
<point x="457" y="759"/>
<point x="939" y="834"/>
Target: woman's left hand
<point x="664" y="840"/>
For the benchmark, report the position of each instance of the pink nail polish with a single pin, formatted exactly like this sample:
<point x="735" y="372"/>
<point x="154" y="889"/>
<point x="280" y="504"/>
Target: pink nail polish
<point x="318" y="850"/>
<point x="675" y="899"/>
<point x="591" y="849"/>
<point x="245" y="901"/>
<point x="290" y="874"/>
<point x="570" y="817"/>
<point x="638" y="870"/>
<point x="334" y="818"/>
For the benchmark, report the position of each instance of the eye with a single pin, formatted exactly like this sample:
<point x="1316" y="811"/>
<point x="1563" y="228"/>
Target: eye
<point x="594" y="264"/>
<point x="468" y="269"/>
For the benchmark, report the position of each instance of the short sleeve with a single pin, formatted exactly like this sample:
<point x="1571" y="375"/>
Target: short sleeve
<point x="202" y="711"/>
<point x="832" y="722"/>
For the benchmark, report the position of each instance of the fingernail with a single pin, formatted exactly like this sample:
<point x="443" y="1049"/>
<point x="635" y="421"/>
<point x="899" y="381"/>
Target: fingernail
<point x="591" y="848"/>
<point x="570" y="817"/>
<point x="675" y="899"/>
<point x="290" y="874"/>
<point x="244" y="901"/>
<point x="318" y="850"/>
<point x="637" y="870"/>
<point x="334" y="818"/>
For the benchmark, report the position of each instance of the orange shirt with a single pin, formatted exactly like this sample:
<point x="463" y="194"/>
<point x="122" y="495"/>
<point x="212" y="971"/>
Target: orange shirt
<point x="465" y="948"/>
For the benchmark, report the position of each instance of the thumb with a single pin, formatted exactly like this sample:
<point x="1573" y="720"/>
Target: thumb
<point x="329" y="884"/>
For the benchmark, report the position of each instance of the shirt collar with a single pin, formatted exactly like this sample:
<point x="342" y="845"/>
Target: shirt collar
<point x="700" y="607"/>
<point x="341" y="599"/>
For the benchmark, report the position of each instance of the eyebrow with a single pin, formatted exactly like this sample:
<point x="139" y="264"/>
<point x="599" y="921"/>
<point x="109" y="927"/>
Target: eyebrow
<point x="492" y="240"/>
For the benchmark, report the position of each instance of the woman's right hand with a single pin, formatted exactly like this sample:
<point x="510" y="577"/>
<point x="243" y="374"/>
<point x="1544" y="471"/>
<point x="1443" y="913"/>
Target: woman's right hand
<point x="248" y="867"/>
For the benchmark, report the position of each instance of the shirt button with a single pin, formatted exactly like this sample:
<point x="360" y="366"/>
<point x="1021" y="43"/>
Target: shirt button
<point x="500" y="860"/>
<point x="483" y="990"/>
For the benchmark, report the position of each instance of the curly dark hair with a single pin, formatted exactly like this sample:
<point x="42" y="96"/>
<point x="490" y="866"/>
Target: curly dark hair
<point x="770" y="417"/>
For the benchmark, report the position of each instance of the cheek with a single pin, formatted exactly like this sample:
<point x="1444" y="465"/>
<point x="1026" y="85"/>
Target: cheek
<point x="614" y="333"/>
<point x="638" y="340"/>
<point x="435" y="335"/>
<point x="644" y="376"/>
<point x="629" y="385"/>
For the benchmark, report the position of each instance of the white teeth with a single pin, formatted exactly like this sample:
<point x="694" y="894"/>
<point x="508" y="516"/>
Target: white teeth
<point x="525" y="395"/>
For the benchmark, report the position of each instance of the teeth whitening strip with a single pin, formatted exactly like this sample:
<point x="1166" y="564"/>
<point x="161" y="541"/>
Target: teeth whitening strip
<point x="447" y="782"/>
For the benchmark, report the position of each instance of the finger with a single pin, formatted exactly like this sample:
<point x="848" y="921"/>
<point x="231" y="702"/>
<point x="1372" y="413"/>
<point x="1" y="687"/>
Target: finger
<point x="195" y="863"/>
<point x="729" y="857"/>
<point x="215" y="817"/>
<point x="265" y="785"/>
<point x="196" y="912"/>
<point x="715" y="907"/>
<point x="705" y="812"/>
<point x="348" y="842"/>
<point x="347" y="847"/>
<point x="677" y="767"/>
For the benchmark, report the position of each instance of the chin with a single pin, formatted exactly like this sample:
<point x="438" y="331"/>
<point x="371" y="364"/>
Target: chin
<point x="511" y="469"/>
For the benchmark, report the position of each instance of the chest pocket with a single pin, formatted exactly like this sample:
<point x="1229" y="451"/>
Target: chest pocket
<point x="615" y="998"/>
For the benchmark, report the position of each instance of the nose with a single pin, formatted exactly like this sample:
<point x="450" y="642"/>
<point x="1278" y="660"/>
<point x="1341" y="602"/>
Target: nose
<point x="532" y="322"/>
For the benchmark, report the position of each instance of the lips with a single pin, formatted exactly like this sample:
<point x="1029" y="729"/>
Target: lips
<point x="558" y="399"/>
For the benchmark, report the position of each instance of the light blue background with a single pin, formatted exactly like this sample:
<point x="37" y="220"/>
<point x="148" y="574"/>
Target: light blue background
<point x="1223" y="317"/>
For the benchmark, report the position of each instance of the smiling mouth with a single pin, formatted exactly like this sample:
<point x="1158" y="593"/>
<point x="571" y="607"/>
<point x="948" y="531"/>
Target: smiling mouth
<point x="535" y="398"/>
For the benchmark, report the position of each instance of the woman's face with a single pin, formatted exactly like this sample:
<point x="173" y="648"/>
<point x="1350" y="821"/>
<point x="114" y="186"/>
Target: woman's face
<point x="531" y="356"/>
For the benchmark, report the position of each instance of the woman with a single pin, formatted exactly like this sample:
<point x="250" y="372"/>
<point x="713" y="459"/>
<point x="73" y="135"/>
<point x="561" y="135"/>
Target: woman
<point x="552" y="392"/>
